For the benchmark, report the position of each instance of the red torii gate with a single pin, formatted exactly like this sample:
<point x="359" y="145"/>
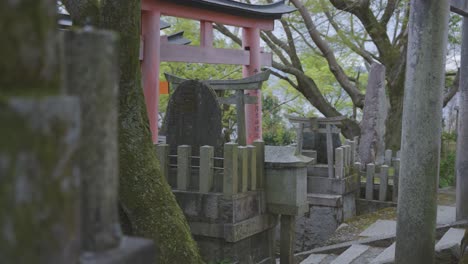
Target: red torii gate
<point x="251" y="18"/>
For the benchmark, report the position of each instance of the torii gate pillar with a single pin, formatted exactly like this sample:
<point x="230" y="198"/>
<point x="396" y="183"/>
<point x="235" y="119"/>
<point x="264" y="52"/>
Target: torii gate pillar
<point x="251" y="42"/>
<point x="150" y="67"/>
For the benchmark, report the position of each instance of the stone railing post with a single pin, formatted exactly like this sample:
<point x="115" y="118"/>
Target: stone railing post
<point x="383" y="187"/>
<point x="370" y="172"/>
<point x="357" y="170"/>
<point x="206" y="168"/>
<point x="388" y="157"/>
<point x="396" y="177"/>
<point x="252" y="167"/>
<point x="92" y="75"/>
<point x="230" y="178"/>
<point x="184" y="166"/>
<point x="260" y="152"/>
<point x="162" y="151"/>
<point x="339" y="162"/>
<point x="353" y="151"/>
<point x="243" y="168"/>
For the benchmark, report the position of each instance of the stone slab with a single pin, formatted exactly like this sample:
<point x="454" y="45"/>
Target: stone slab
<point x="132" y="250"/>
<point x="233" y="232"/>
<point x="445" y="215"/>
<point x="387" y="256"/>
<point x="284" y="157"/>
<point x="326" y="185"/>
<point x="352" y="253"/>
<point x="380" y="228"/>
<point x="325" y="199"/>
<point x="314" y="259"/>
<point x="451" y="239"/>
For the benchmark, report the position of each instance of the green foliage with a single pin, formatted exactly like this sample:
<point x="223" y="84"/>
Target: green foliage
<point x="447" y="160"/>
<point x="447" y="170"/>
<point x="275" y="131"/>
<point x="450" y="136"/>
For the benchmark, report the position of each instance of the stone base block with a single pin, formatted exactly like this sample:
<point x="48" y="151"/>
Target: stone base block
<point x="254" y="249"/>
<point x="132" y="250"/>
<point x="327" y="185"/>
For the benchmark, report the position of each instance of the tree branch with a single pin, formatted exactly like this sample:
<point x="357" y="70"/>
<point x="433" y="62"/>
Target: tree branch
<point x="356" y="96"/>
<point x="453" y="90"/>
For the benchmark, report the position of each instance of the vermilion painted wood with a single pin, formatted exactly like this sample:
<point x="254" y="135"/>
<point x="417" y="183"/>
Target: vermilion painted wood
<point x="170" y="9"/>
<point x="156" y="49"/>
<point x="251" y="42"/>
<point x="206" y="34"/>
<point x="150" y="67"/>
<point x="194" y="54"/>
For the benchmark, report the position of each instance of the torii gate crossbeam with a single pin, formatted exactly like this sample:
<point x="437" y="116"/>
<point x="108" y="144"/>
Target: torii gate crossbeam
<point x="251" y="18"/>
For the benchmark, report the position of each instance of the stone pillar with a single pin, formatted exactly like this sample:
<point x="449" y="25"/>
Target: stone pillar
<point x="372" y="144"/>
<point x="92" y="75"/>
<point x="422" y="119"/>
<point x="462" y="134"/>
<point x="39" y="190"/>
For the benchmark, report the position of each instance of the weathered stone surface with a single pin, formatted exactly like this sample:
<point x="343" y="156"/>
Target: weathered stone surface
<point x="259" y="248"/>
<point x="39" y="190"/>
<point x="462" y="132"/>
<point x="91" y="74"/>
<point x="351" y="254"/>
<point x="286" y="180"/>
<point x="421" y="131"/>
<point x="193" y="118"/>
<point x="372" y="142"/>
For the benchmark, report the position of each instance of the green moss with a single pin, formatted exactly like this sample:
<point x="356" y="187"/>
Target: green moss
<point x="44" y="206"/>
<point x="30" y="57"/>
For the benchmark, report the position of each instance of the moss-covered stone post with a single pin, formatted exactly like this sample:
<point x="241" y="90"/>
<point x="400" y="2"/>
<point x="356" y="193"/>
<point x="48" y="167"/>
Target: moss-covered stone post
<point x="422" y="127"/>
<point x="91" y="74"/>
<point x="38" y="137"/>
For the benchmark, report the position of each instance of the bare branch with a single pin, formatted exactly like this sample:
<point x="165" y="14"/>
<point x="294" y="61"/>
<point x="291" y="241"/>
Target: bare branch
<point x="453" y="90"/>
<point x="356" y="96"/>
<point x="389" y="10"/>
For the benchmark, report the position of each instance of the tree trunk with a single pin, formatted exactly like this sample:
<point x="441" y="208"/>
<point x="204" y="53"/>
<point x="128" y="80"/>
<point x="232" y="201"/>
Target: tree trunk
<point x="393" y="125"/>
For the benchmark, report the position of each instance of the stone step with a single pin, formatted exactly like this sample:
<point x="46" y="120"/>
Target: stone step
<point x="369" y="255"/>
<point x="387" y="256"/>
<point x="314" y="259"/>
<point x="351" y="254"/>
<point x="451" y="241"/>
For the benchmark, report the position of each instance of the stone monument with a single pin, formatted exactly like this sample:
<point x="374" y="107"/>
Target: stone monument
<point x="372" y="142"/>
<point x="193" y="118"/>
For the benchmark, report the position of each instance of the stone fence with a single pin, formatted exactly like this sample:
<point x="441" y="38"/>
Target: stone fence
<point x="241" y="168"/>
<point x="345" y="157"/>
<point x="381" y="181"/>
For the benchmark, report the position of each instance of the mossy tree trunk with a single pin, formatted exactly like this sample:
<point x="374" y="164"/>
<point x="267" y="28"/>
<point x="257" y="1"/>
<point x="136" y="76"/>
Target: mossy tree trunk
<point x="144" y="194"/>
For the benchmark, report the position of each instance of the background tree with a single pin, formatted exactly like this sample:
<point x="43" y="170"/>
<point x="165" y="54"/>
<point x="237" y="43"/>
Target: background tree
<point x="144" y="194"/>
<point x="346" y="37"/>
